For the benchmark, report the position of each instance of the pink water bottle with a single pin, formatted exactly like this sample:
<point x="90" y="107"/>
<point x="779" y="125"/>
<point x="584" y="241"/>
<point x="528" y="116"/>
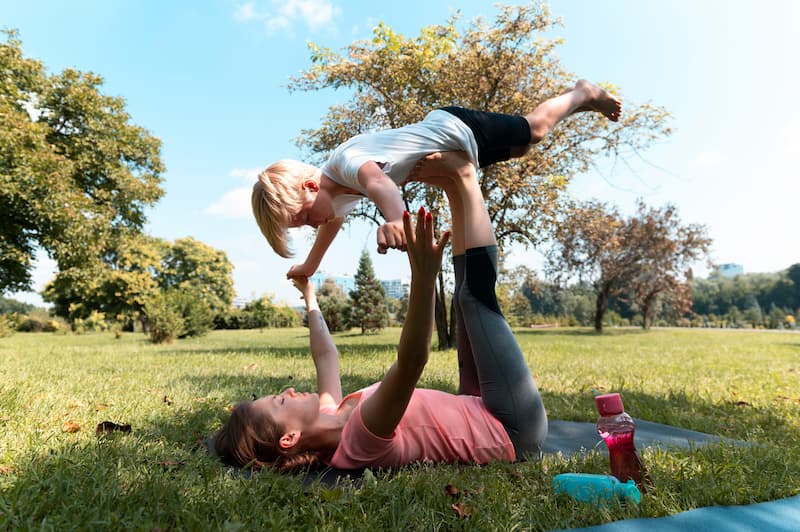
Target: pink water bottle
<point x="616" y="428"/>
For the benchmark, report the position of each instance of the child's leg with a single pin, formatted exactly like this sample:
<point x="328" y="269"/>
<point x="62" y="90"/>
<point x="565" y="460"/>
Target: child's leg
<point x="582" y="97"/>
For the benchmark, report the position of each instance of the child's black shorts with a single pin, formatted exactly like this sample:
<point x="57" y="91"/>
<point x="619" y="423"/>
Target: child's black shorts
<point x="495" y="133"/>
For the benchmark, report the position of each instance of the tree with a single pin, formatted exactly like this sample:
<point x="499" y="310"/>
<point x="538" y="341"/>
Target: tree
<point x="642" y="257"/>
<point x="793" y="273"/>
<point x="589" y="245"/>
<point x="191" y="264"/>
<point x="334" y="306"/>
<point x="117" y="283"/>
<point x="369" y="310"/>
<point x="507" y="66"/>
<point x="133" y="269"/>
<point x="664" y="251"/>
<point x="75" y="173"/>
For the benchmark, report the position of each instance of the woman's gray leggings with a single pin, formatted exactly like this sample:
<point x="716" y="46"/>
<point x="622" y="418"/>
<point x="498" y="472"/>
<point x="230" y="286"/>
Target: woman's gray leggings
<point x="490" y="361"/>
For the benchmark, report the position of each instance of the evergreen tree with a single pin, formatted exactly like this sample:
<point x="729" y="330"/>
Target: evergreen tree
<point x="369" y="299"/>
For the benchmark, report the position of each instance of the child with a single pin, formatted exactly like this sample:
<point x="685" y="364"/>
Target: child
<point x="498" y="413"/>
<point x="293" y="194"/>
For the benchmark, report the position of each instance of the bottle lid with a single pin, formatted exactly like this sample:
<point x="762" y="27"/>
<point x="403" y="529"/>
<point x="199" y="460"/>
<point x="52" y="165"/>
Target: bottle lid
<point x="609" y="404"/>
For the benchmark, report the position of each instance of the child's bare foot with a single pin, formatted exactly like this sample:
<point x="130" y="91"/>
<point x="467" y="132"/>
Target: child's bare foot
<point x="596" y="99"/>
<point x="442" y="168"/>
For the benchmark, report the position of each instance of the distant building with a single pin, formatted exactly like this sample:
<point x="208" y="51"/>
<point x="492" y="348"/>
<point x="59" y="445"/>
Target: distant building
<point x="395" y="288"/>
<point x="346" y="282"/>
<point x="730" y="270"/>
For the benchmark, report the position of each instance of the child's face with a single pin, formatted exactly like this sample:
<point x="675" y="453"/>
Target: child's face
<point x="315" y="210"/>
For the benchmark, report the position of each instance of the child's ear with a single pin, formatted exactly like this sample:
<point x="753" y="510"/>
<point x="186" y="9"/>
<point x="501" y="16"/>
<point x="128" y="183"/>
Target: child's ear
<point x="289" y="440"/>
<point x="310" y="184"/>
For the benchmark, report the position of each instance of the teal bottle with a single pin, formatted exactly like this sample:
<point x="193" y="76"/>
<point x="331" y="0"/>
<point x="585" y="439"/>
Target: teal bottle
<point x="599" y="490"/>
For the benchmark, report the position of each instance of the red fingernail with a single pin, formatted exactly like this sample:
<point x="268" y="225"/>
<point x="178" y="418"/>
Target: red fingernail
<point x="405" y="214"/>
<point x="429" y="217"/>
<point x="422" y="210"/>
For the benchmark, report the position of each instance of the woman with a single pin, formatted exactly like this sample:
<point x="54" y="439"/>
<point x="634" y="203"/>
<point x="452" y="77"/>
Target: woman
<point x="498" y="413"/>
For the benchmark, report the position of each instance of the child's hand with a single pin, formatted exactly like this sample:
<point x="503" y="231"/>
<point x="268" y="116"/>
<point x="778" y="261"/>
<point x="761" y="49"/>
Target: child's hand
<point x="300" y="270"/>
<point x="391" y="235"/>
<point x="424" y="253"/>
<point x="306" y="288"/>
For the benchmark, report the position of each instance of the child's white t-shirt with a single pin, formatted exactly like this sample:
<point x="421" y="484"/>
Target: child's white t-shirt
<point x="397" y="151"/>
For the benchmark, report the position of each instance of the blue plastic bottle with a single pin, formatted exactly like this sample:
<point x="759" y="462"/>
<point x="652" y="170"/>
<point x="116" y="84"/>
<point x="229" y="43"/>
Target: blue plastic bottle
<point x="596" y="489"/>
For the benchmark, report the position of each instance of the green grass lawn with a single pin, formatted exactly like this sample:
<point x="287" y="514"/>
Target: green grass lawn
<point x="738" y="384"/>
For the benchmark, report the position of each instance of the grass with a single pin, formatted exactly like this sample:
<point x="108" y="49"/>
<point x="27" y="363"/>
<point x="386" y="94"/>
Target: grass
<point x="736" y="384"/>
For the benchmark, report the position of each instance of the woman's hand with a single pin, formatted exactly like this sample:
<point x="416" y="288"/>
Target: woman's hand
<point x="307" y="289"/>
<point x="424" y="252"/>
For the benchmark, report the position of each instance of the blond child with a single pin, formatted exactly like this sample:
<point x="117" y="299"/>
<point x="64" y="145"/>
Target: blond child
<point x="292" y="194"/>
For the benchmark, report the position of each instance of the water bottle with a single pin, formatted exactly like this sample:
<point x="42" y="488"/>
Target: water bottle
<point x="596" y="489"/>
<point x="616" y="428"/>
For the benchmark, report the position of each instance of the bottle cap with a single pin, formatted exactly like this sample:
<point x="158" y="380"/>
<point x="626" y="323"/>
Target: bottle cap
<point x="609" y="404"/>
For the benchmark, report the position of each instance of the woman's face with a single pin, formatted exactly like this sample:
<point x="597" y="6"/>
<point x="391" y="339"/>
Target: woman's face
<point x="291" y="409"/>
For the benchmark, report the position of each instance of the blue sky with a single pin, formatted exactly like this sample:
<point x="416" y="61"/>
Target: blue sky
<point x="209" y="78"/>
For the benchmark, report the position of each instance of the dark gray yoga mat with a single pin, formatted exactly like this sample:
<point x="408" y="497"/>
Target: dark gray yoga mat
<point x="574" y="436"/>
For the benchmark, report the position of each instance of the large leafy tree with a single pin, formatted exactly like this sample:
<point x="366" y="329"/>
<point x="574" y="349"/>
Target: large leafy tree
<point x="75" y="173"/>
<point x="644" y="257"/>
<point x="118" y="284"/>
<point x="508" y="65"/>
<point x="666" y="250"/>
<point x="369" y="309"/>
<point x="135" y="269"/>
<point x="191" y="264"/>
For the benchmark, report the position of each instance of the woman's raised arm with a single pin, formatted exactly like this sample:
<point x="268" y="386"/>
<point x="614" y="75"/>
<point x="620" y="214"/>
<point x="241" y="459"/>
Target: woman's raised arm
<point x="383" y="410"/>
<point x="323" y="350"/>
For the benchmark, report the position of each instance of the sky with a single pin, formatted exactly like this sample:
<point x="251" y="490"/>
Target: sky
<point x="209" y="78"/>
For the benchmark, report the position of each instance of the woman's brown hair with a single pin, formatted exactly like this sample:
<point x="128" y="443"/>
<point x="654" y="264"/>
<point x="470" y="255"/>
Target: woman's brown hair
<point x="251" y="440"/>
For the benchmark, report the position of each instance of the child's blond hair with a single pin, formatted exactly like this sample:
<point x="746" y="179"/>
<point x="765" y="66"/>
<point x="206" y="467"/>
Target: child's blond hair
<point x="277" y="196"/>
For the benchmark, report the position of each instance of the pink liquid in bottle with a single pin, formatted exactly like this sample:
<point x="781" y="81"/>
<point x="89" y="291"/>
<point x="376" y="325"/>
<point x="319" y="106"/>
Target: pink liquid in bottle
<point x="617" y="428"/>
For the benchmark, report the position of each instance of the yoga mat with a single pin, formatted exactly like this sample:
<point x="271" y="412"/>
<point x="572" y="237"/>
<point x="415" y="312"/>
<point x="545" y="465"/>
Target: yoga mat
<point x="573" y="436"/>
<point x="774" y="516"/>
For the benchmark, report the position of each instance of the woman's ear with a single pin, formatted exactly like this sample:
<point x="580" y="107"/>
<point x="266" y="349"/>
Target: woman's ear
<point x="289" y="440"/>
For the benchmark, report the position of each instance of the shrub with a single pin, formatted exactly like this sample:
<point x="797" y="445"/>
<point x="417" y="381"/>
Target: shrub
<point x="30" y="324"/>
<point x="7" y="325"/>
<point x="178" y="313"/>
<point x="165" y="323"/>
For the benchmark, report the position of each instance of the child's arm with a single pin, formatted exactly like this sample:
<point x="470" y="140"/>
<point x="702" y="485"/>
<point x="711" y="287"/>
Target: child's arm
<point x="325" y="235"/>
<point x="383" y="410"/>
<point x="385" y="194"/>
<point x="323" y="350"/>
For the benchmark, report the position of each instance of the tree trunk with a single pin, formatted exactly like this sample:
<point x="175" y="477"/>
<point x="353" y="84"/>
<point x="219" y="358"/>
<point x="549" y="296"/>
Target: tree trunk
<point x="600" y="309"/>
<point x="440" y="315"/>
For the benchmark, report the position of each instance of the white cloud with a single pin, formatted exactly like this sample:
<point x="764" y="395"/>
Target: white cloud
<point x="245" y="12"/>
<point x="284" y="14"/>
<point x="315" y="13"/>
<point x="233" y="204"/>
<point x="248" y="175"/>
